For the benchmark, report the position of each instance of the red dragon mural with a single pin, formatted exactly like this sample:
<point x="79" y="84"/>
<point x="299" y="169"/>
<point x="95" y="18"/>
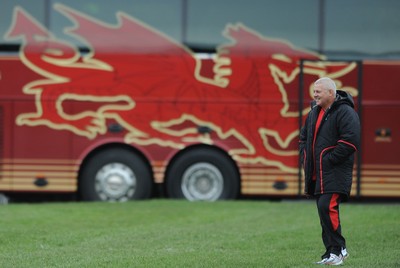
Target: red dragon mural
<point x="148" y="82"/>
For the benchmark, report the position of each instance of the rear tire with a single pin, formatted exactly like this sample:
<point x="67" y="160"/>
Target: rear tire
<point x="115" y="175"/>
<point x="203" y="174"/>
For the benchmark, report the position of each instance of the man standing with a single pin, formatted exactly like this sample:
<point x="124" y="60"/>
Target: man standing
<point x="328" y="140"/>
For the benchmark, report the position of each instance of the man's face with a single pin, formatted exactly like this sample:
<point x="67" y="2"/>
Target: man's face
<point x="323" y="97"/>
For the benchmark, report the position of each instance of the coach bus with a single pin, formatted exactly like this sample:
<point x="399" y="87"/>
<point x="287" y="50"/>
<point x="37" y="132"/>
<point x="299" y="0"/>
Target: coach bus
<point x="198" y="100"/>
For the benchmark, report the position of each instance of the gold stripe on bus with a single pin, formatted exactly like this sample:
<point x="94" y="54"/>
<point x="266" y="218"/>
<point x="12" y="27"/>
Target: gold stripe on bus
<point x="35" y="174"/>
<point x="270" y="191"/>
<point x="47" y="188"/>
<point x="267" y="184"/>
<point x="376" y="172"/>
<point x="39" y="167"/>
<point x="5" y="187"/>
<point x="266" y="187"/>
<point x="67" y="180"/>
<point x="382" y="180"/>
<point x="374" y="166"/>
<point x="261" y="171"/>
<point x="39" y="161"/>
<point x="158" y="177"/>
<point x="380" y="186"/>
<point x="380" y="192"/>
<point x="52" y="182"/>
<point x="159" y="163"/>
<point x="5" y="182"/>
<point x="379" y="172"/>
<point x="159" y="169"/>
<point x="270" y="178"/>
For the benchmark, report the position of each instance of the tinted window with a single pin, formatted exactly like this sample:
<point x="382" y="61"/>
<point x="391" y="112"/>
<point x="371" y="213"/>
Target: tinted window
<point x="293" y="20"/>
<point x="362" y="26"/>
<point x="35" y="8"/>
<point x="349" y="28"/>
<point x="165" y="16"/>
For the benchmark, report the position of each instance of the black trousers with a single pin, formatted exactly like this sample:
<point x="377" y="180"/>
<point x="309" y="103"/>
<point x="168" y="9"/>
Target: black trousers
<point x="328" y="211"/>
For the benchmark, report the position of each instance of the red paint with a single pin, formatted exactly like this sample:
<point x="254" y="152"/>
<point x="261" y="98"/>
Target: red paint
<point x="57" y="103"/>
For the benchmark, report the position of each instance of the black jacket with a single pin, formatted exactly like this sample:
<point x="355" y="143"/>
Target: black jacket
<point x="337" y="139"/>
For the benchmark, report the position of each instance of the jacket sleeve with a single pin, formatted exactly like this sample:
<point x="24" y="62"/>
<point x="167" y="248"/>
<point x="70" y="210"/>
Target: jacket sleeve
<point x="348" y="126"/>
<point x="303" y="141"/>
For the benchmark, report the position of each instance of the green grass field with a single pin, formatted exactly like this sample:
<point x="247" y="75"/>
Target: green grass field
<point x="164" y="233"/>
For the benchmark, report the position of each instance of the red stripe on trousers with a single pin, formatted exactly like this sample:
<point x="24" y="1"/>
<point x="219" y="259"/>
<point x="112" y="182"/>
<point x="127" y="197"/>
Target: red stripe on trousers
<point x="333" y="213"/>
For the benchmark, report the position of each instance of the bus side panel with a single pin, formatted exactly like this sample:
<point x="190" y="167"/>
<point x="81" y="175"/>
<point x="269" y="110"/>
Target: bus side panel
<point x="5" y="148"/>
<point x="34" y="158"/>
<point x="380" y="172"/>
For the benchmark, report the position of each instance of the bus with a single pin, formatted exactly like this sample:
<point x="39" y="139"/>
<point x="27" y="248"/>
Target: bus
<point x="196" y="100"/>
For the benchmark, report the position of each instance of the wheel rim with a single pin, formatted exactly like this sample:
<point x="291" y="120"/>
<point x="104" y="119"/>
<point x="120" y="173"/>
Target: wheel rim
<point x="202" y="181"/>
<point x="115" y="182"/>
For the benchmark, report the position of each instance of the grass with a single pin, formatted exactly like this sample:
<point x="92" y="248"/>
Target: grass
<point x="171" y="233"/>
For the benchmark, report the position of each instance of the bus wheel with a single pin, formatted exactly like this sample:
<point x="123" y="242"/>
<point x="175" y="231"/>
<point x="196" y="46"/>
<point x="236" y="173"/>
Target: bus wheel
<point x="203" y="174"/>
<point x="115" y="175"/>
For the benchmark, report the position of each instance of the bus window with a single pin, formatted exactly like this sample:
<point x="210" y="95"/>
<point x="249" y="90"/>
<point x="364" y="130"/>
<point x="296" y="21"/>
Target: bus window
<point x="164" y="16"/>
<point x="292" y="20"/>
<point x="35" y="8"/>
<point x="375" y="24"/>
